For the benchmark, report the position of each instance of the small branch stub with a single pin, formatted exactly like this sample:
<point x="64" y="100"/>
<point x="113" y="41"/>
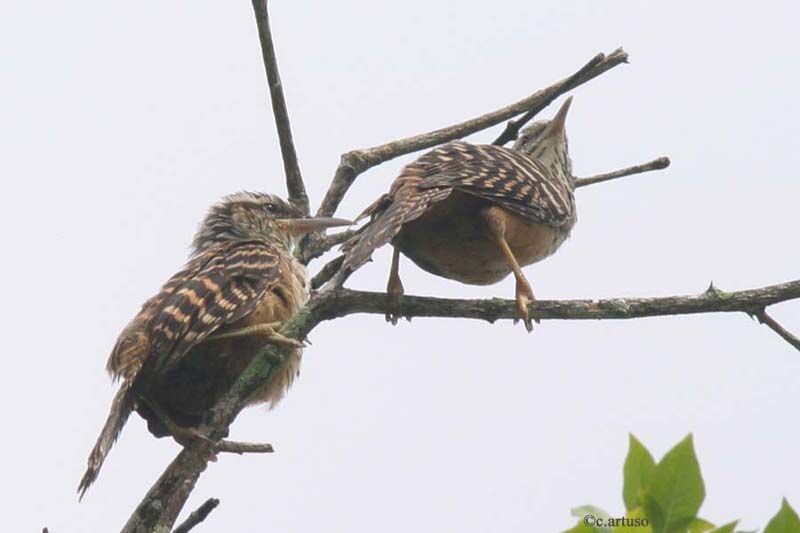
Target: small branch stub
<point x="241" y="448"/>
<point x="656" y="164"/>
<point x="197" y="516"/>
<point x="764" y="318"/>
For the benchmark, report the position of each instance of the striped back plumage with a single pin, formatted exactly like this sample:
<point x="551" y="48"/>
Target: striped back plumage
<point x="506" y="177"/>
<point x="218" y="286"/>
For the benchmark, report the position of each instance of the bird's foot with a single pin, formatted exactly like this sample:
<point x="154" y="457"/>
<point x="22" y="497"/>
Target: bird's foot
<point x="287" y="342"/>
<point x="524" y="296"/>
<point x="185" y="436"/>
<point x="268" y="330"/>
<point x="394" y="290"/>
<point x="188" y="436"/>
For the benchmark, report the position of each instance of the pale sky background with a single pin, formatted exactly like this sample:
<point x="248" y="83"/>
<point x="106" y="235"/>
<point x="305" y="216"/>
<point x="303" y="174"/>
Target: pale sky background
<point x="122" y="123"/>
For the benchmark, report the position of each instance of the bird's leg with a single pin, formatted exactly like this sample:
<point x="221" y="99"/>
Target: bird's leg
<point x="524" y="293"/>
<point x="267" y="329"/>
<point x="182" y="435"/>
<point x="394" y="287"/>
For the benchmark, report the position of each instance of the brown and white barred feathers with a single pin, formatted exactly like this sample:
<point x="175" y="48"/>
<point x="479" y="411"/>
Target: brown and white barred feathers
<point x="539" y="187"/>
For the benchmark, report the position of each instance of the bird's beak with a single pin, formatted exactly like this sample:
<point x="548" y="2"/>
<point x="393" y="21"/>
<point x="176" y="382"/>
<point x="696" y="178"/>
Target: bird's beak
<point x="557" y="124"/>
<point x="301" y="226"/>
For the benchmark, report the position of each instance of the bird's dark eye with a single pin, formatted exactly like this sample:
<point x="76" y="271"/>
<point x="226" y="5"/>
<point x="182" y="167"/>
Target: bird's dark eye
<point x="271" y="208"/>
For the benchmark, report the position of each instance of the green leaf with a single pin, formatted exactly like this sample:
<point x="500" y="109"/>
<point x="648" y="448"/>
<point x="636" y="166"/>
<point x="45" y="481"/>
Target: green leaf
<point x="786" y="521"/>
<point x="727" y="528"/>
<point x="639" y="465"/>
<point x="635" y="522"/>
<point x="676" y="489"/>
<point x="698" y="525"/>
<point x="589" y="510"/>
<point x="583" y="510"/>
<point x="583" y="528"/>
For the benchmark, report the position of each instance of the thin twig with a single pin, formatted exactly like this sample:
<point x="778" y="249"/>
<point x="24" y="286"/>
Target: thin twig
<point x="773" y="324"/>
<point x="358" y="161"/>
<point x="327" y="272"/>
<point x="197" y="516"/>
<point x="656" y="164"/>
<point x="294" y="179"/>
<point x="319" y="246"/>
<point x="512" y="128"/>
<point x="241" y="448"/>
<point x="322" y="245"/>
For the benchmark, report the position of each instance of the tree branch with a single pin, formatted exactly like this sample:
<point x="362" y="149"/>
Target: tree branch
<point x="319" y="246"/>
<point x="343" y="302"/>
<point x="773" y="324"/>
<point x="656" y="164"/>
<point x="358" y="161"/>
<point x="241" y="448"/>
<point x="294" y="179"/>
<point x="197" y="516"/>
<point x="163" y="502"/>
<point x="168" y="495"/>
<point x="512" y="128"/>
<point x="327" y="272"/>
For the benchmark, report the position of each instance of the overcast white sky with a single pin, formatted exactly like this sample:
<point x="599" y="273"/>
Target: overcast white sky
<point x="122" y="123"/>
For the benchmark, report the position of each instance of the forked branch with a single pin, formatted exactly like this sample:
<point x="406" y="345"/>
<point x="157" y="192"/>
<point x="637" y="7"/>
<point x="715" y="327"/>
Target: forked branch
<point x="513" y="127"/>
<point x="762" y="316"/>
<point x="358" y="161"/>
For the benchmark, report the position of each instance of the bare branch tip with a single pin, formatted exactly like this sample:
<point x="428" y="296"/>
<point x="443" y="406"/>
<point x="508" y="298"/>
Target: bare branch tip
<point x="241" y="448"/>
<point x="197" y="516"/>
<point x="621" y="54"/>
<point x="656" y="164"/>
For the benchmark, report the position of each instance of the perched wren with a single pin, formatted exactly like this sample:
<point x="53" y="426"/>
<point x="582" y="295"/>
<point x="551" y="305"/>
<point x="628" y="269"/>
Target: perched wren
<point x="192" y="340"/>
<point x="476" y="213"/>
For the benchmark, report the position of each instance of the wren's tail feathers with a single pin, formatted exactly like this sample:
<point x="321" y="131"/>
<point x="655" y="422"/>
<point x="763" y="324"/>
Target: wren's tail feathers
<point x="383" y="227"/>
<point x="388" y="216"/>
<point x="121" y="409"/>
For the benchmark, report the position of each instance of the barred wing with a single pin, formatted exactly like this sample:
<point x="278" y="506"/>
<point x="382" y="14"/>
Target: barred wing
<point x="227" y="287"/>
<point x="219" y="286"/>
<point x="388" y="218"/>
<point x="507" y="177"/>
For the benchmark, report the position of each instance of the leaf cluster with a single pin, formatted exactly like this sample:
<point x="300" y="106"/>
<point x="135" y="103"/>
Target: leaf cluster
<point x="665" y="497"/>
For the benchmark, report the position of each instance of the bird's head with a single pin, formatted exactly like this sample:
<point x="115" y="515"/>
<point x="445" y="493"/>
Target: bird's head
<point x="546" y="141"/>
<point x="255" y="216"/>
